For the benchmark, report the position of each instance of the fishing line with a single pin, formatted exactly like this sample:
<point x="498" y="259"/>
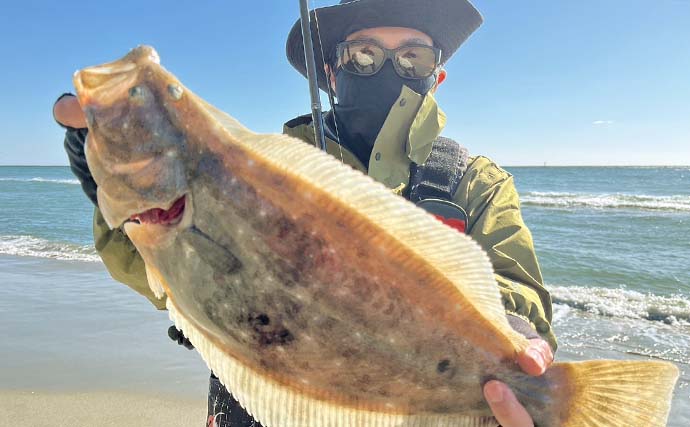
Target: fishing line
<point x="328" y="82"/>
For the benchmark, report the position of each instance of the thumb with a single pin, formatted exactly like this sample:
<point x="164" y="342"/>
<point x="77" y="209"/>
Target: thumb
<point x="67" y="112"/>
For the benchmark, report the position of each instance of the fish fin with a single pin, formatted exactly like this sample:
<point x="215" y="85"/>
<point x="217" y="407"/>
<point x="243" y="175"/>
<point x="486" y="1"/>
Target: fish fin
<point x="460" y="270"/>
<point x="276" y="405"/>
<point x="237" y="129"/>
<point x="155" y="280"/>
<point x="610" y="393"/>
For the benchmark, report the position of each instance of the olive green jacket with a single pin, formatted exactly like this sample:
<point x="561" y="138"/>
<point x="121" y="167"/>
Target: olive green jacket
<point x="486" y="192"/>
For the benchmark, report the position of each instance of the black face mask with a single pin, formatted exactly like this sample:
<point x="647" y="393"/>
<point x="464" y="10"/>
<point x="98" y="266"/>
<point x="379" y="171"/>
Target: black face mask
<point x="364" y="103"/>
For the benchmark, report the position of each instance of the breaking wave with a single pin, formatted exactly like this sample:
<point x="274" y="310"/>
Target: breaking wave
<point x="41" y="248"/>
<point x="46" y="180"/>
<point x="623" y="303"/>
<point x="677" y="203"/>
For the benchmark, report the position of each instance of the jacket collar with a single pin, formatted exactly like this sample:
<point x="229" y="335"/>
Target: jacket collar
<point x="407" y="135"/>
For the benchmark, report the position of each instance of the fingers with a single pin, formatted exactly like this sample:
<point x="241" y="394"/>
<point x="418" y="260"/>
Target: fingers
<point x="68" y="112"/>
<point x="536" y="358"/>
<point x="505" y="407"/>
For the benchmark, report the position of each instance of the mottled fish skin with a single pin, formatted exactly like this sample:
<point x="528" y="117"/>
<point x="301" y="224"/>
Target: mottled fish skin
<point x="267" y="270"/>
<point x="298" y="308"/>
<point x="301" y="305"/>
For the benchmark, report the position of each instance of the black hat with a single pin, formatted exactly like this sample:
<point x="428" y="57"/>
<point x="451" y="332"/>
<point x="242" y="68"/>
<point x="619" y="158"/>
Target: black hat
<point x="448" y="22"/>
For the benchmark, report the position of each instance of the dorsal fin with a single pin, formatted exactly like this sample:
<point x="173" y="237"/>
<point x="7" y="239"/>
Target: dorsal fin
<point x="461" y="266"/>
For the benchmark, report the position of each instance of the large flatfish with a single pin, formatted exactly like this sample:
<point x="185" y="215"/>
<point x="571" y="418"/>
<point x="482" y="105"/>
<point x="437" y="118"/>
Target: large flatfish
<point x="318" y="296"/>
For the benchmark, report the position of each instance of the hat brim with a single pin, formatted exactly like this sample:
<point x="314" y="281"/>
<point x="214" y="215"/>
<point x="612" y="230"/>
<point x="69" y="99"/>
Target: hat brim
<point x="448" y="22"/>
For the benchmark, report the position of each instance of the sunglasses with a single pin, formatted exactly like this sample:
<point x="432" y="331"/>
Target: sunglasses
<point x="366" y="58"/>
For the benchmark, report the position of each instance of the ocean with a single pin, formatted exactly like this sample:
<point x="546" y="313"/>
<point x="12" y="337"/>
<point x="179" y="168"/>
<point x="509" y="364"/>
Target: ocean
<point x="613" y="244"/>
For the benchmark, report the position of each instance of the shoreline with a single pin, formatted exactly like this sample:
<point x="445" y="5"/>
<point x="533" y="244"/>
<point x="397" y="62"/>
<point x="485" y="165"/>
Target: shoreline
<point x="69" y="328"/>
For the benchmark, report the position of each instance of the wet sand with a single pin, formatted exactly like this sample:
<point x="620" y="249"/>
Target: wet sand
<point x="79" y="349"/>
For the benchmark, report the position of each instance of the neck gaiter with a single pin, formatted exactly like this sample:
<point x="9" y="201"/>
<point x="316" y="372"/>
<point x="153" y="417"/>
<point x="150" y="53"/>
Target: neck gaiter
<point x="364" y="102"/>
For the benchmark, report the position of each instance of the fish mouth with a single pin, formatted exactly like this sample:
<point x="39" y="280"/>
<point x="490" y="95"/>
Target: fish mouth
<point x="166" y="217"/>
<point x="157" y="227"/>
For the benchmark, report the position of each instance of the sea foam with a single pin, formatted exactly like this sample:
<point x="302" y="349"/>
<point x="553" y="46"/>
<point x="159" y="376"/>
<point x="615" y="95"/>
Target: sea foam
<point x="44" y="180"/>
<point x="42" y="248"/>
<point x="623" y="303"/>
<point x="606" y="201"/>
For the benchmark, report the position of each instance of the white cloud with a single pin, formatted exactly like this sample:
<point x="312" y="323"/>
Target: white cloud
<point x="602" y="122"/>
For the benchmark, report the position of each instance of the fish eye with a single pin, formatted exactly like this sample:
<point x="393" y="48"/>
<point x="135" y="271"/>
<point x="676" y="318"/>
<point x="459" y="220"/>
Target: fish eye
<point x="175" y="91"/>
<point x="135" y="92"/>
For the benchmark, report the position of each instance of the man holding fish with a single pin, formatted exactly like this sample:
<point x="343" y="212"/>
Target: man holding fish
<point x="383" y="60"/>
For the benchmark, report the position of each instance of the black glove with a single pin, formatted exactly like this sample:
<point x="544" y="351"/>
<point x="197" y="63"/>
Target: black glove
<point x="74" y="146"/>
<point x="177" y="336"/>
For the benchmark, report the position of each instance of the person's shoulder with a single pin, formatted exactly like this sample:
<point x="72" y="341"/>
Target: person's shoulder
<point x="482" y="180"/>
<point x="298" y="121"/>
<point x="299" y="127"/>
<point x="485" y="170"/>
<point x="479" y="166"/>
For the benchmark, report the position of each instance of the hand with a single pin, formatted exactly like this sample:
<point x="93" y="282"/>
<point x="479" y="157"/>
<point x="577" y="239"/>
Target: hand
<point x="68" y="112"/>
<point x="506" y="408"/>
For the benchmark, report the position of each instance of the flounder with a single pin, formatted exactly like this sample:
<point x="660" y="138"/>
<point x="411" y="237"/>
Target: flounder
<point x="317" y="296"/>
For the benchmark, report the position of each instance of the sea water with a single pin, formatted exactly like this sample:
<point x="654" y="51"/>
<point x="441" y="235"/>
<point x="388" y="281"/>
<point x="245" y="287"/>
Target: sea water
<point x="613" y="244"/>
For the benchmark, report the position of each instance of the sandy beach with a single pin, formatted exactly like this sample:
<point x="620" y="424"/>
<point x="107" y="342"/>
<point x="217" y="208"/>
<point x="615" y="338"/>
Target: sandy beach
<point x="79" y="349"/>
<point x="29" y="409"/>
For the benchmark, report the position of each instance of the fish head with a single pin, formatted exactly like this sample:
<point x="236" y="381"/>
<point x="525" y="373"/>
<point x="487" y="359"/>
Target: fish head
<point x="135" y="147"/>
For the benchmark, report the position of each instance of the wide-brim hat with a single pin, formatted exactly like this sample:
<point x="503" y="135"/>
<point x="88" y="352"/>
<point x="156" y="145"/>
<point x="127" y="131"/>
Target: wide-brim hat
<point x="448" y="22"/>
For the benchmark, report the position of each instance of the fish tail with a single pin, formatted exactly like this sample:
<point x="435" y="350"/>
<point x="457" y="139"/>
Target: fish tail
<point x="607" y="393"/>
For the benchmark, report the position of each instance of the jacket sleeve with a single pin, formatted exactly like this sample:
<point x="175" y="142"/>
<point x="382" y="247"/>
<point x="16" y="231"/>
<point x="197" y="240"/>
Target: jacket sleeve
<point x="74" y="147"/>
<point x="494" y="220"/>
<point x="122" y="259"/>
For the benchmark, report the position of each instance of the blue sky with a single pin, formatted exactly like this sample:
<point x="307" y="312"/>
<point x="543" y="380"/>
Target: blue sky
<point x="566" y="83"/>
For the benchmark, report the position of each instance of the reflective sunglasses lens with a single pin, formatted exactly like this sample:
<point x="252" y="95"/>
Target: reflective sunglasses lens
<point x="415" y="62"/>
<point x="361" y="57"/>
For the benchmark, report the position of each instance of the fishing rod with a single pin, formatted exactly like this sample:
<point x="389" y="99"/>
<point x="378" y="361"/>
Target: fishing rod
<point x="312" y="77"/>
